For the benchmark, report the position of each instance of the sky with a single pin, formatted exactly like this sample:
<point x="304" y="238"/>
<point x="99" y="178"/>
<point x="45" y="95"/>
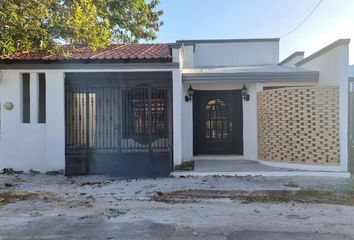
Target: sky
<point x="225" y="19"/>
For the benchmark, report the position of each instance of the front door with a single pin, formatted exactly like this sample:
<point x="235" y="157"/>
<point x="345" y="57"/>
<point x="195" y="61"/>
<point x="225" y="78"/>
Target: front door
<point x="217" y="122"/>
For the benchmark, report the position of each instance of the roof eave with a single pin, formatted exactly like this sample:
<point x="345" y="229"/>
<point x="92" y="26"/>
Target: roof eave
<point x="91" y="65"/>
<point x="192" y="42"/>
<point x="308" y="76"/>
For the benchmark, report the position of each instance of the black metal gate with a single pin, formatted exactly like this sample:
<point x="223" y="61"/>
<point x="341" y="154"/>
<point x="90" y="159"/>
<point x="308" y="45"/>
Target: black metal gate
<point x="118" y="124"/>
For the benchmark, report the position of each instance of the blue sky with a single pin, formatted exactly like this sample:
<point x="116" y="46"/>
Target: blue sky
<point x="214" y="19"/>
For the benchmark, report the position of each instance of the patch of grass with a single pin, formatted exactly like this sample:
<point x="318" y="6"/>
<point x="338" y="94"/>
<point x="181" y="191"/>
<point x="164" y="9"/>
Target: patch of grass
<point x="348" y="201"/>
<point x="306" y="196"/>
<point x="10" y="171"/>
<point x="310" y="193"/>
<point x="33" y="172"/>
<point x="53" y="173"/>
<point x="7" y="171"/>
<point x="115" y="212"/>
<point x="186" y="166"/>
<point x="17" y="196"/>
<point x="291" y="184"/>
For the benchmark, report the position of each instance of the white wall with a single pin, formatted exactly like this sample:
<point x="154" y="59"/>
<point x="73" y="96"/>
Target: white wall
<point x="187" y="126"/>
<point x="333" y="68"/>
<point x="55" y="120"/>
<point x="249" y="120"/>
<point x="250" y="146"/>
<point x="293" y="61"/>
<point x="177" y="89"/>
<point x="42" y="146"/>
<point x="332" y="65"/>
<point x="235" y="54"/>
<point x="22" y="145"/>
<point x="250" y="140"/>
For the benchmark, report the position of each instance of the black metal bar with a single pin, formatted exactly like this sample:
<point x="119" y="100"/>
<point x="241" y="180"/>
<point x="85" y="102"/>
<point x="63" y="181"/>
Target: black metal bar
<point x="87" y="122"/>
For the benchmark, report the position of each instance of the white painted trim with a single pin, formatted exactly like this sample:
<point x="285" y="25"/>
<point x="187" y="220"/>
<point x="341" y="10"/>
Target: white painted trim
<point x="177" y="93"/>
<point x="343" y="113"/>
<point x="264" y="174"/>
<point x="33" y="98"/>
<point x="306" y="167"/>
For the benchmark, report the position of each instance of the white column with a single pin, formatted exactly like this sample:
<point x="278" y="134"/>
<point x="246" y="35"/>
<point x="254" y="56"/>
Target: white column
<point x="34" y="98"/>
<point x="250" y="147"/>
<point x="55" y="119"/>
<point x="187" y="127"/>
<point x="177" y="116"/>
<point x="343" y="110"/>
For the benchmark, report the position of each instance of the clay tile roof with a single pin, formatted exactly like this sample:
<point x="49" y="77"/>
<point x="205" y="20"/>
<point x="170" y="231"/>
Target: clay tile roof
<point x="119" y="52"/>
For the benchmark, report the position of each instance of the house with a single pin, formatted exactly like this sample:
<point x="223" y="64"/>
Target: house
<point x="140" y="110"/>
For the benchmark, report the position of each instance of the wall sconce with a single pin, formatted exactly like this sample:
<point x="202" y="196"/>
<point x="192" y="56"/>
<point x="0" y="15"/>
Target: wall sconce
<point x="8" y="106"/>
<point x="245" y="95"/>
<point x="189" y="96"/>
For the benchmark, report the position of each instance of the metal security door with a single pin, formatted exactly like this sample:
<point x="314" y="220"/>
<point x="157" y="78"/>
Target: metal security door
<point x="218" y="122"/>
<point x="118" y="128"/>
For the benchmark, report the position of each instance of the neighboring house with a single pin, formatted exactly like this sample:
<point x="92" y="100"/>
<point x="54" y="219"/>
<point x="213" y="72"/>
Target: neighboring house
<point x="139" y="110"/>
<point x="351" y="71"/>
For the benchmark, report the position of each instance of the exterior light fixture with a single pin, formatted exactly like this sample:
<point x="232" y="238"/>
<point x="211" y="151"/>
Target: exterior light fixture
<point x="189" y="96"/>
<point x="8" y="106"/>
<point x="245" y="95"/>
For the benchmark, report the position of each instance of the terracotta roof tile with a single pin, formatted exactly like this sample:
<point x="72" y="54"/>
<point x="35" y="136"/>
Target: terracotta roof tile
<point x="142" y="52"/>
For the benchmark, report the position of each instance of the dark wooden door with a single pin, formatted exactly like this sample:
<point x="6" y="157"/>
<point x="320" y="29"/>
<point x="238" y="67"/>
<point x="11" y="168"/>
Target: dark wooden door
<point x="217" y="121"/>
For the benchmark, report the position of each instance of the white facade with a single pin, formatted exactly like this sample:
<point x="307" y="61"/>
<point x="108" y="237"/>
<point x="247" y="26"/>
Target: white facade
<point x="42" y="146"/>
<point x="230" y="53"/>
<point x="331" y="65"/>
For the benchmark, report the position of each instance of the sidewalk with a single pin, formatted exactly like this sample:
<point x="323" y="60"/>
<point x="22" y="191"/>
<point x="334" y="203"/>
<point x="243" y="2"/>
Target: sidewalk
<point x="249" y="168"/>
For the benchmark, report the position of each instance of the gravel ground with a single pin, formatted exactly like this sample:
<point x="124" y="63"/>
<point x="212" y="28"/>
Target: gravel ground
<point x="97" y="207"/>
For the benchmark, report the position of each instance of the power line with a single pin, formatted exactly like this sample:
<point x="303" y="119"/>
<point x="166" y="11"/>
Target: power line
<point x="297" y="27"/>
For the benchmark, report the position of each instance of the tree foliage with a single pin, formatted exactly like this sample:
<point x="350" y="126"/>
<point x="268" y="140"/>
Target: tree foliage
<point x="39" y="24"/>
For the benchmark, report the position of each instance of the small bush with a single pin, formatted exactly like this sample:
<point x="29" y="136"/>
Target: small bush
<point x="10" y="171"/>
<point x="33" y="172"/>
<point x="186" y="166"/>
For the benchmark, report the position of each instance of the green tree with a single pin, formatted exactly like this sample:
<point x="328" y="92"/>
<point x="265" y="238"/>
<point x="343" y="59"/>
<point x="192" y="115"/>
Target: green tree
<point x="27" y="25"/>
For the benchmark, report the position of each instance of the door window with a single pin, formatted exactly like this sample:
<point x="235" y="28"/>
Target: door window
<point x="216" y="121"/>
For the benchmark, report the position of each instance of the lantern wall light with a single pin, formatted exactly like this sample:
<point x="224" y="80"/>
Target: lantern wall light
<point x="245" y="94"/>
<point x="189" y="96"/>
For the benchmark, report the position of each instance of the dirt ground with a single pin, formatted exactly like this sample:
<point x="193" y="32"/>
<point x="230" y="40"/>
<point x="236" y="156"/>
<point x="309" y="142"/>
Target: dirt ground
<point x="38" y="206"/>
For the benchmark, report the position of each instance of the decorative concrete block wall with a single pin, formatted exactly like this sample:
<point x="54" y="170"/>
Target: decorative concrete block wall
<point x="299" y="125"/>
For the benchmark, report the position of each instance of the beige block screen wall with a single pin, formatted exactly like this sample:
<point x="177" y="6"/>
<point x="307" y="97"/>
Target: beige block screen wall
<point x="299" y="125"/>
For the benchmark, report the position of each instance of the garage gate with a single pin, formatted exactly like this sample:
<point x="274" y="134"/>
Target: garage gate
<point x="119" y="124"/>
